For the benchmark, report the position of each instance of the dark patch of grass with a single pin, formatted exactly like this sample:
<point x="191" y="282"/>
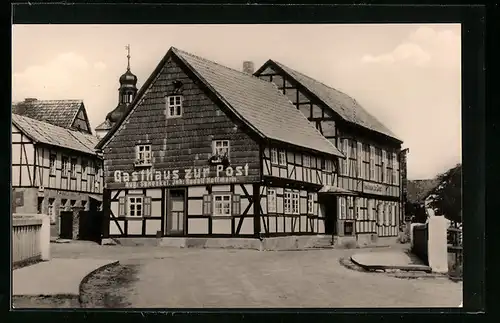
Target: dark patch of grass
<point x="25" y="263"/>
<point x="109" y="288"/>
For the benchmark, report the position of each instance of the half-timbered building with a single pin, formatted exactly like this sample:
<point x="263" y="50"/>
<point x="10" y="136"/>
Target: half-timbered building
<point x="205" y="150"/>
<point x="54" y="169"/>
<point x="369" y="200"/>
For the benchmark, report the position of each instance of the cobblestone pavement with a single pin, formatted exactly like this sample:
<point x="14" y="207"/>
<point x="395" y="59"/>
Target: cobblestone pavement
<point x="196" y="278"/>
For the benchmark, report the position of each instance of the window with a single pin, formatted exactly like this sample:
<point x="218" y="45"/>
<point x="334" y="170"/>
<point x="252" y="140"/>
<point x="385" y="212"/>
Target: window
<point x="142" y="155"/>
<point x="51" y="211"/>
<point x="72" y="203"/>
<point x="282" y="157"/>
<point x="271" y="200"/>
<point x="379" y="175"/>
<point x="291" y="202"/>
<point x="350" y="207"/>
<point x="274" y="156"/>
<point x="39" y="208"/>
<point x="84" y="204"/>
<point x="389" y="176"/>
<point x="372" y="163"/>
<point x="174" y="106"/>
<point x="366" y="171"/>
<point x="84" y="169"/>
<point x="73" y="167"/>
<point x="65" y="166"/>
<point x="52" y="164"/>
<point x="221" y="148"/>
<point x="310" y="203"/>
<point x="222" y="205"/>
<point x="135" y="206"/>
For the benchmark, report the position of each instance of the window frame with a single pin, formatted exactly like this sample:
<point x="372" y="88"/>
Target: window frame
<point x="282" y="157"/>
<point x="84" y="168"/>
<point x="291" y="203"/>
<point x="272" y="203"/>
<point x="138" y="160"/>
<point x="178" y="107"/>
<point x="129" y="205"/>
<point x="274" y="156"/>
<point x="215" y="149"/>
<point x="310" y="203"/>
<point x="222" y="202"/>
<point x="52" y="164"/>
<point x="66" y="166"/>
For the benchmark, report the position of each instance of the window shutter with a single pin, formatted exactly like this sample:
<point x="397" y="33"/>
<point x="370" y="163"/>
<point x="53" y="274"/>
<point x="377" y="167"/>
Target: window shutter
<point x="360" y="160"/>
<point x="386" y="213"/>
<point x="370" y="209"/>
<point x="345" y="160"/>
<point x="121" y="206"/>
<point x="395" y="169"/>
<point x="236" y="205"/>
<point x="342" y="207"/>
<point x="372" y="163"/>
<point x="147" y="206"/>
<point x="207" y="205"/>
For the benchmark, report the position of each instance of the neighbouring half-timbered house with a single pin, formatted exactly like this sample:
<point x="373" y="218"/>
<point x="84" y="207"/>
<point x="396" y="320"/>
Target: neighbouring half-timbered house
<point x="54" y="169"/>
<point x="205" y="150"/>
<point x="371" y="203"/>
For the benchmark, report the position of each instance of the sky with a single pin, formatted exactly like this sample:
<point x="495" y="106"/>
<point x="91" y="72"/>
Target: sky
<point x="407" y="75"/>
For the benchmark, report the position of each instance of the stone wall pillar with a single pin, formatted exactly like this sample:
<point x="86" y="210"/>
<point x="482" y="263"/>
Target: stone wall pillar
<point x="76" y="221"/>
<point x="438" y="244"/>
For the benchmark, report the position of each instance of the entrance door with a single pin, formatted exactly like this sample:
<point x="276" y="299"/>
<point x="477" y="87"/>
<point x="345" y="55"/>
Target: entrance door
<point x="66" y="218"/>
<point x="329" y="204"/>
<point x="176" y="212"/>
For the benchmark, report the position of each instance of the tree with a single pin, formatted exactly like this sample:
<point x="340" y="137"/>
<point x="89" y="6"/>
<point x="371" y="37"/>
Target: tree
<point x="447" y="196"/>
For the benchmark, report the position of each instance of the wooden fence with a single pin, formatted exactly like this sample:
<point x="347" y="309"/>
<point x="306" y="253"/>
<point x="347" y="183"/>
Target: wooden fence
<point x="26" y="239"/>
<point x="455" y="250"/>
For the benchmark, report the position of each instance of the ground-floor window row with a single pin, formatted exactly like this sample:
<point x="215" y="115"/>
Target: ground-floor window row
<point x="202" y="211"/>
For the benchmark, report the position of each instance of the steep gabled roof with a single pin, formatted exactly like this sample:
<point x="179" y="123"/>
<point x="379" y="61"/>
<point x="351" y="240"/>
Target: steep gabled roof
<point x="46" y="133"/>
<point x="61" y="113"/>
<point x="259" y="104"/>
<point x="418" y="190"/>
<point x="342" y="104"/>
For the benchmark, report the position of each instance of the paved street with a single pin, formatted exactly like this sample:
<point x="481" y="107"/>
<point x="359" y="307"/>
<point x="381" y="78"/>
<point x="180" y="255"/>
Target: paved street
<point x="169" y="277"/>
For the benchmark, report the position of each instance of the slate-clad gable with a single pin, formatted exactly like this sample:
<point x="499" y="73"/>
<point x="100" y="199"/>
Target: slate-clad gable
<point x="177" y="143"/>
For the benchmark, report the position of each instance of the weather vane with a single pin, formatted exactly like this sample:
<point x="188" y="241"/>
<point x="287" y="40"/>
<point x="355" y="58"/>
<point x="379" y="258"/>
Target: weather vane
<point x="128" y="56"/>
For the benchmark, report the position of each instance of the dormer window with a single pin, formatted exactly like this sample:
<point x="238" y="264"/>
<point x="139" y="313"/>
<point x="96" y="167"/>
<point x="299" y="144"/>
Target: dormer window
<point x="143" y="155"/>
<point x="221" y="148"/>
<point x="174" y="106"/>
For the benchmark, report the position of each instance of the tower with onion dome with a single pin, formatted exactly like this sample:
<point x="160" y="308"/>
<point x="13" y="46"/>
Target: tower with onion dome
<point x="126" y="94"/>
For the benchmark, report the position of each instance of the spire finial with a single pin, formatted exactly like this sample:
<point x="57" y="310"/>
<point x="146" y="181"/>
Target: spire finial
<point x="128" y="56"/>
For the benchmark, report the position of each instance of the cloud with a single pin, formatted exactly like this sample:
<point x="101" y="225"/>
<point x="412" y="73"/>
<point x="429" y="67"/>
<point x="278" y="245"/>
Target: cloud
<point x="424" y="46"/>
<point x="100" y="66"/>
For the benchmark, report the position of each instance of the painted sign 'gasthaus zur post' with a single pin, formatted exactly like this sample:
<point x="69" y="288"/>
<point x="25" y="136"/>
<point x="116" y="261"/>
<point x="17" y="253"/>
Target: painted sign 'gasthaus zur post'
<point x="207" y="151"/>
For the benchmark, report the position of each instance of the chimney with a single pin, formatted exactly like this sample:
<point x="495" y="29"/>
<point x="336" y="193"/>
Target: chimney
<point x="28" y="100"/>
<point x="248" y="67"/>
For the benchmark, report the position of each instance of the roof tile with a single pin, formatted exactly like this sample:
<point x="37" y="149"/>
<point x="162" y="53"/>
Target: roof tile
<point x="57" y="112"/>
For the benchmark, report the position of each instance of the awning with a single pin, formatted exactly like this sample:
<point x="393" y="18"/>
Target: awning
<point x="333" y="190"/>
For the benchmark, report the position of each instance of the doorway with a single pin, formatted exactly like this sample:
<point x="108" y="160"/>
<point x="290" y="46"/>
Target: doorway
<point x="329" y="204"/>
<point x="176" y="212"/>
